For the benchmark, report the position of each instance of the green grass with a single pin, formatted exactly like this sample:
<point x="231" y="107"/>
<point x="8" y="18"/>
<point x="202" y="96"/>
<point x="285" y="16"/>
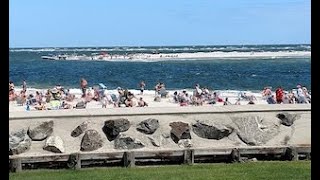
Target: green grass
<point x="254" y="170"/>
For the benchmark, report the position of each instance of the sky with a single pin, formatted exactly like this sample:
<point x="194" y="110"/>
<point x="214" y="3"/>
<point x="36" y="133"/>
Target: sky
<point x="97" y="23"/>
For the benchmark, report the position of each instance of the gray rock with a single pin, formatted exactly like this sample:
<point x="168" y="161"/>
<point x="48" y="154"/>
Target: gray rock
<point x="166" y="135"/>
<point x="217" y="131"/>
<point x="148" y="126"/>
<point x="287" y="119"/>
<point x="252" y="131"/>
<point x="179" y="130"/>
<point x="125" y="142"/>
<point x="185" y="143"/>
<point x="91" y="141"/>
<point x="41" y="131"/>
<point x="112" y="128"/>
<point x="19" y="142"/>
<point x="54" y="144"/>
<point x="80" y="129"/>
<point x="155" y="142"/>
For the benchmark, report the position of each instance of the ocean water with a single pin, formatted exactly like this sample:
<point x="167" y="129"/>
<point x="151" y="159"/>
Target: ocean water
<point x="216" y="73"/>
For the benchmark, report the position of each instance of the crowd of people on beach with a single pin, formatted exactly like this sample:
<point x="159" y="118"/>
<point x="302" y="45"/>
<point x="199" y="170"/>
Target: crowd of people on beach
<point x="61" y="98"/>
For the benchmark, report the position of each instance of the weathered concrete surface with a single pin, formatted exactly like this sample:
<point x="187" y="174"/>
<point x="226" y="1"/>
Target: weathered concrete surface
<point x="65" y="121"/>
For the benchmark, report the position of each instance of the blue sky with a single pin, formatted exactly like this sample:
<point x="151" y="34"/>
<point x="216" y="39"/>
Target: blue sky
<point x="69" y="23"/>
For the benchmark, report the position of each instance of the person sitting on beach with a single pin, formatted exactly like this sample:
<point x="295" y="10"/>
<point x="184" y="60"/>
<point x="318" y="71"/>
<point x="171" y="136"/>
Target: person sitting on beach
<point x="142" y="103"/>
<point x="12" y="95"/>
<point x="55" y="94"/>
<point x="306" y="94"/>
<point x="40" y="106"/>
<point x="183" y="98"/>
<point x="83" y="86"/>
<point x="96" y="95"/>
<point x="243" y="95"/>
<point x="175" y="97"/>
<point x="65" y="105"/>
<point x="301" y="95"/>
<point x="279" y="95"/>
<point x="69" y="97"/>
<point x="129" y="102"/>
<point x="38" y="97"/>
<point x="121" y="97"/>
<point x="157" y="88"/>
<point x="285" y="98"/>
<point x="197" y="91"/>
<point x="48" y="96"/>
<point x="267" y="93"/>
<point x="226" y="102"/>
<point x="21" y="99"/>
<point x="217" y="97"/>
<point x="291" y="97"/>
<point x="237" y="102"/>
<point x="89" y="96"/>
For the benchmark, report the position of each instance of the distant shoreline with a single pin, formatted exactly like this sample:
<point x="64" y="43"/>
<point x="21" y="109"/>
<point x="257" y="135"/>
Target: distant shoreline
<point x="114" y="46"/>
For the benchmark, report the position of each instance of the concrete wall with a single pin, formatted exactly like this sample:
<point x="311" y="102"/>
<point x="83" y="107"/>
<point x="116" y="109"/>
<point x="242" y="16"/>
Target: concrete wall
<point x="65" y="121"/>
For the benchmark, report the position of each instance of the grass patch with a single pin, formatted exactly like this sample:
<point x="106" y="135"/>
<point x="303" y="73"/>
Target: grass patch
<point x="253" y="170"/>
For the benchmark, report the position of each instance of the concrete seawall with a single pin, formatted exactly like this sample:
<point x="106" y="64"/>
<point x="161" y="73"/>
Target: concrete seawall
<point x="266" y="131"/>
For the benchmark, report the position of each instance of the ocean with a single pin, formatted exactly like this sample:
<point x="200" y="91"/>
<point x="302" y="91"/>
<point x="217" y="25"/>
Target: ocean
<point x="245" y="73"/>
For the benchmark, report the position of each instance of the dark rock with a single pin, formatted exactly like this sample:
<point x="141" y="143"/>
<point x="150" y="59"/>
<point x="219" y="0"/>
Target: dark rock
<point x="211" y="132"/>
<point x="91" y="141"/>
<point x="252" y="130"/>
<point x="287" y="119"/>
<point x="54" y="144"/>
<point x="124" y="142"/>
<point x="19" y="142"/>
<point x="112" y="128"/>
<point x="80" y="129"/>
<point x="148" y="126"/>
<point x="41" y="131"/>
<point x="155" y="142"/>
<point x="180" y="130"/>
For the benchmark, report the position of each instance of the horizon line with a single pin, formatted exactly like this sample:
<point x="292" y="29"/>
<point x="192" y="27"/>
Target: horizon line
<point x="91" y="46"/>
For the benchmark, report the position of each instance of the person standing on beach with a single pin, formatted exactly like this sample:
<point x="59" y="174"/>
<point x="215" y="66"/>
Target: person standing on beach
<point x="83" y="85"/>
<point x="24" y="85"/>
<point x="279" y="95"/>
<point x="142" y="85"/>
<point x="11" y="86"/>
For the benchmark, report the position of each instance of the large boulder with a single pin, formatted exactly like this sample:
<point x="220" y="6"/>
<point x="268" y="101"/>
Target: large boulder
<point x="54" y="144"/>
<point x="179" y="130"/>
<point x="19" y="142"/>
<point x="216" y="131"/>
<point x="252" y="130"/>
<point x="148" y="126"/>
<point x="112" y="128"/>
<point x="287" y="119"/>
<point x="41" y="131"/>
<point x="125" y="142"/>
<point x="80" y="129"/>
<point x="91" y="141"/>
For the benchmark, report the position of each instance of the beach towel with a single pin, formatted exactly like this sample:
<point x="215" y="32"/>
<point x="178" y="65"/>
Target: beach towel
<point x="55" y="104"/>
